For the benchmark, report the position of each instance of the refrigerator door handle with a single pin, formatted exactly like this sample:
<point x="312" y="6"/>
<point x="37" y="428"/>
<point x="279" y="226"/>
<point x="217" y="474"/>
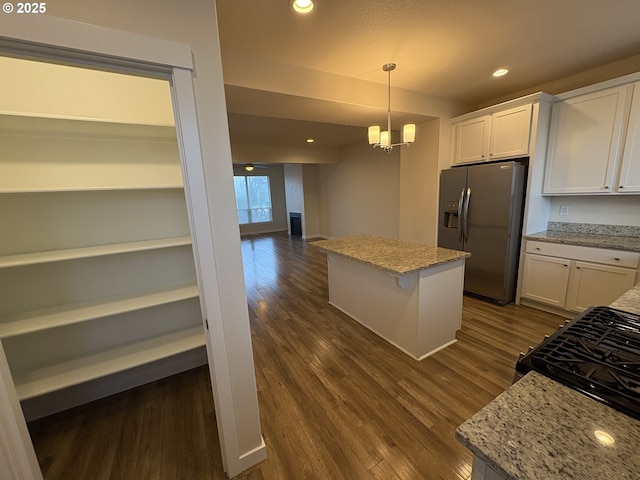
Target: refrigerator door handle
<point x="465" y="220"/>
<point x="460" y="207"/>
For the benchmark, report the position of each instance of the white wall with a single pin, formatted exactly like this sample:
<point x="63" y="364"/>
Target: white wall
<point x="278" y="204"/>
<point x="301" y="187"/>
<point x="606" y="210"/>
<point x="360" y="194"/>
<point x="311" y="216"/>
<point x="125" y="98"/>
<point x="281" y="154"/>
<point x="294" y="191"/>
<point x="419" y="174"/>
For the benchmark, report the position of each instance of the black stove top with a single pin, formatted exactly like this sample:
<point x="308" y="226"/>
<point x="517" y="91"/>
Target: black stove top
<point x="597" y="354"/>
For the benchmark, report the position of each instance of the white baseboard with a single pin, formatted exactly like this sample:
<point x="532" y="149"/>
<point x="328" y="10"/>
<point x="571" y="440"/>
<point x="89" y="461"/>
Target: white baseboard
<point x="260" y="232"/>
<point x="251" y="458"/>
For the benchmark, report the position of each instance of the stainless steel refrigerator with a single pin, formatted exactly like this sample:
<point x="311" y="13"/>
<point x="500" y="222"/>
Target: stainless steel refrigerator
<point x="481" y="213"/>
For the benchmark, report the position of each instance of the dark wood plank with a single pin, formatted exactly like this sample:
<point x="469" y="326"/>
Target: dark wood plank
<point x="336" y="401"/>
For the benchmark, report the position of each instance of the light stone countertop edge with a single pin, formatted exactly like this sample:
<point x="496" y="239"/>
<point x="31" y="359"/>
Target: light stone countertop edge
<point x="631" y="244"/>
<point x="394" y="256"/>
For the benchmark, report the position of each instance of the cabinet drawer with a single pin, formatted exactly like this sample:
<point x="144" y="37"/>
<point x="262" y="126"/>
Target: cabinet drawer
<point x="590" y="254"/>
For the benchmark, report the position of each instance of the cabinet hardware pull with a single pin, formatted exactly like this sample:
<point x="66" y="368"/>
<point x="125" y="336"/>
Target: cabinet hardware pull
<point x="577" y="268"/>
<point x="621" y="186"/>
<point x="566" y="265"/>
<point x="617" y="259"/>
<point x="606" y="187"/>
<point x="538" y="248"/>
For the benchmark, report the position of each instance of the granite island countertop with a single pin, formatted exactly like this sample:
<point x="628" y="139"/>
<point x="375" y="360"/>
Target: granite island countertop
<point x="540" y="429"/>
<point x="631" y="244"/>
<point x="394" y="256"/>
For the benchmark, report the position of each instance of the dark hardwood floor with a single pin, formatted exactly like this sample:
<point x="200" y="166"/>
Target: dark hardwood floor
<point x="336" y="401"/>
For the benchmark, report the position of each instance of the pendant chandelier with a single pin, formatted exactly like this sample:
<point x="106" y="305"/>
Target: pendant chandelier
<point x="382" y="139"/>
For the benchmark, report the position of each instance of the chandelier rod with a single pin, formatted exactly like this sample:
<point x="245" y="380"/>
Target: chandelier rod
<point x="389" y="67"/>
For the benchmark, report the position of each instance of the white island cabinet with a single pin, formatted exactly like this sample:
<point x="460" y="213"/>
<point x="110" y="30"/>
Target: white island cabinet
<point x="407" y="293"/>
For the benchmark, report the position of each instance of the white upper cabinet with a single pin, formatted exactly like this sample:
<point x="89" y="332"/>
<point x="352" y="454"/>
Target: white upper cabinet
<point x="472" y="139"/>
<point x="503" y="134"/>
<point x="585" y="143"/>
<point x="629" y="180"/>
<point x="510" y="131"/>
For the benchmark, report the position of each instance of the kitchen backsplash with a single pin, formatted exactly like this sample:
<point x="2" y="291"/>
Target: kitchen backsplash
<point x="595" y="229"/>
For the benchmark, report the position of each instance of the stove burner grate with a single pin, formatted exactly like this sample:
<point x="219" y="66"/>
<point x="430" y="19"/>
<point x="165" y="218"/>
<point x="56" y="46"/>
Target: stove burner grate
<point x="597" y="354"/>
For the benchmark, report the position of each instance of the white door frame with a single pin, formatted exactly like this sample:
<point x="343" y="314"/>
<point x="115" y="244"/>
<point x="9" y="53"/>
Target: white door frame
<point x="66" y="41"/>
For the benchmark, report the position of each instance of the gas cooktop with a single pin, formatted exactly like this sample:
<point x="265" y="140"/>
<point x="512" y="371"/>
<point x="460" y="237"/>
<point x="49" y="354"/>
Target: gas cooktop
<point x="597" y="354"/>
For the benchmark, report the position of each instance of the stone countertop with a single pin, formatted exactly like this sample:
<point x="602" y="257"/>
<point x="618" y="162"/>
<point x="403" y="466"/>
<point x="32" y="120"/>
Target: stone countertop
<point x="588" y="239"/>
<point x="541" y="430"/>
<point x="394" y="256"/>
<point x="629" y="302"/>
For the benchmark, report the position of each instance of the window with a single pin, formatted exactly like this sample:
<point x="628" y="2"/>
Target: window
<point x="253" y="198"/>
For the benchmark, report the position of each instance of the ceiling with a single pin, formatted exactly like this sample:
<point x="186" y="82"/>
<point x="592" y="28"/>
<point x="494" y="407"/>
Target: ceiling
<point x="444" y="49"/>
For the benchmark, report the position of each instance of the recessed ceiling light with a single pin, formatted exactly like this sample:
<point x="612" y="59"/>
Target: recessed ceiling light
<point x="310" y="140"/>
<point x="500" y="72"/>
<point x="303" y="6"/>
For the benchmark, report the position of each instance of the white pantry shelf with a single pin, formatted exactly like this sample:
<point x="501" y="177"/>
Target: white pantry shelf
<point x="61" y="315"/>
<point x="113" y="188"/>
<point x="48" y="379"/>
<point x="87" y="252"/>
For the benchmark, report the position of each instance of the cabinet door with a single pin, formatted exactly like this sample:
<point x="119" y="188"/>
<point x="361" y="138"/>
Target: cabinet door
<point x="471" y="139"/>
<point x="545" y="279"/>
<point x="510" y="133"/>
<point x="592" y="284"/>
<point x="585" y="142"/>
<point x="630" y="169"/>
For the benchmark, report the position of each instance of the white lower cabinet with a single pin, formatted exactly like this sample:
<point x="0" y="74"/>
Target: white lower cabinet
<point x="545" y="279"/>
<point x="574" y="278"/>
<point x="595" y="284"/>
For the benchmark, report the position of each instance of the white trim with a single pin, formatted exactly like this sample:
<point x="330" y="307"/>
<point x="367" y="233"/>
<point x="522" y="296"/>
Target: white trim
<point x="197" y="207"/>
<point x="38" y="33"/>
<point x="614" y="82"/>
<point x="17" y="457"/>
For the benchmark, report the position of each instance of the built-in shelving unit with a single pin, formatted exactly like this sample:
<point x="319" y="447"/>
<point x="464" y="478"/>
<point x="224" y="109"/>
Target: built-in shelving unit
<point x="96" y="261"/>
<point x="86" y="252"/>
<point x="72" y="372"/>
<point x="61" y="315"/>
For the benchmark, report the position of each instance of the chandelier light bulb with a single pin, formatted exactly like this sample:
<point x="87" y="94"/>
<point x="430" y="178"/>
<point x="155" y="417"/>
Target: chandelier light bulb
<point x="374" y="134"/>
<point x="385" y="139"/>
<point x="409" y="133"/>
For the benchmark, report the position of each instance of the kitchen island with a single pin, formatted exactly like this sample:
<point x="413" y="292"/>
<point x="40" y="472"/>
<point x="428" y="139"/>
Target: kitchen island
<point x="540" y="429"/>
<point x="407" y="293"/>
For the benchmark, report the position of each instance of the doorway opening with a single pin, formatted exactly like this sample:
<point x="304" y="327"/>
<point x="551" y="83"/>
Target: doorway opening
<point x="101" y="287"/>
